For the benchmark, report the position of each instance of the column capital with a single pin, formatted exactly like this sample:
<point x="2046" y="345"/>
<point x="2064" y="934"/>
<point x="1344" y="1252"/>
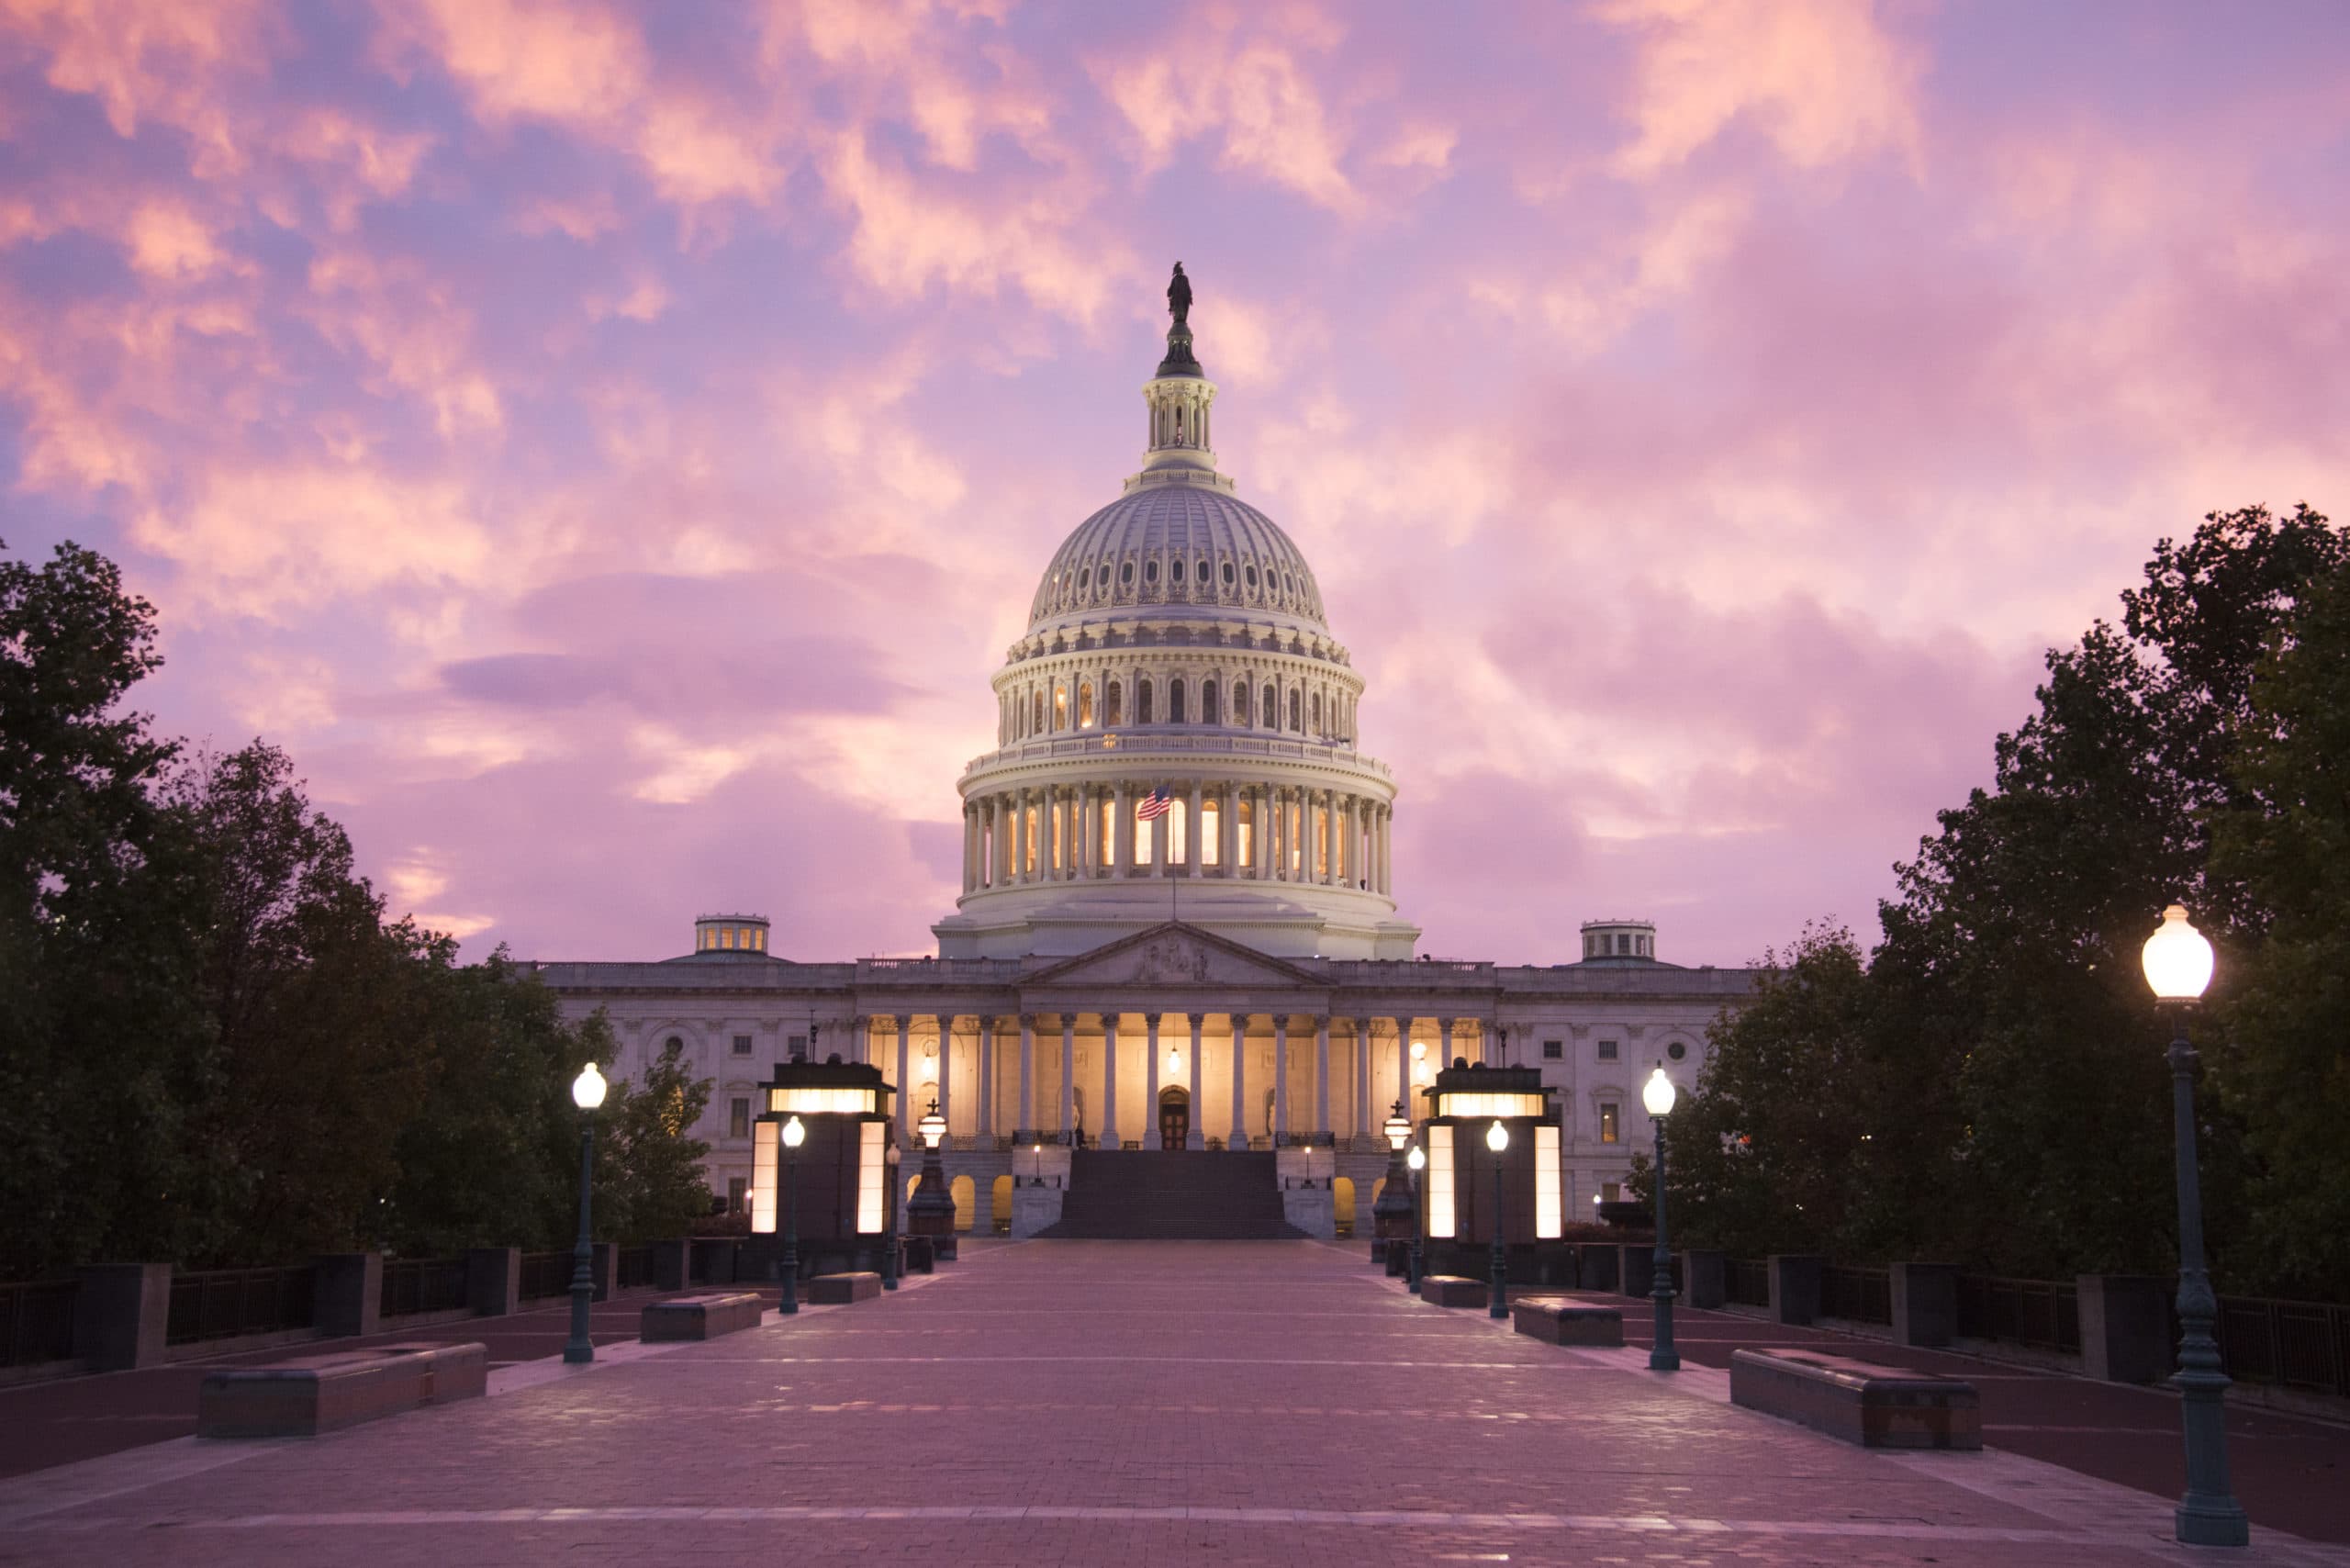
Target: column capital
<point x="1151" y="1019"/>
<point x="887" y="1020"/>
<point x="1322" y="1022"/>
<point x="1028" y="1021"/>
<point x="1196" y="1019"/>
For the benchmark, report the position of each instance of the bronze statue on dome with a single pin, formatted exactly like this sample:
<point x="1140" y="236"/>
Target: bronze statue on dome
<point x="1179" y="297"/>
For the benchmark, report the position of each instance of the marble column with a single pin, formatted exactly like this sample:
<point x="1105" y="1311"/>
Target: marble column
<point x="1195" y="1135"/>
<point x="1404" y="1090"/>
<point x="1019" y="838"/>
<point x="1364" y="1123"/>
<point x="1322" y="1076"/>
<point x="1069" y="1073"/>
<point x="1238" y="1138"/>
<point x="1280" y="1076"/>
<point x="1227" y="823"/>
<point x="1023" y="1114"/>
<point x="985" y="1125"/>
<point x="1150" y="1082"/>
<point x="905" y="1116"/>
<point x="1110" y="1080"/>
<point x="1194" y="836"/>
<point x="1123" y="841"/>
<point x="946" y="1066"/>
<point x="1444" y="1042"/>
<point x="1158" y="846"/>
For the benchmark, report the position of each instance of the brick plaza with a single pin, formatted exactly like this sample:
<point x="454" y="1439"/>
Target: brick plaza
<point x="1096" y="1402"/>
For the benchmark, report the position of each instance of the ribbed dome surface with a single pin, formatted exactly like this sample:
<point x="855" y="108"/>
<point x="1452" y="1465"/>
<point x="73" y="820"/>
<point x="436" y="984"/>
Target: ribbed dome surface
<point x="1178" y="544"/>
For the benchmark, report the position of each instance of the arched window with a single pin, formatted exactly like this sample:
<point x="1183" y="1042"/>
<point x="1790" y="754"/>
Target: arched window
<point x="1115" y="699"/>
<point x="1207" y="703"/>
<point x="1060" y="706"/>
<point x="1175" y="701"/>
<point x="1142" y="702"/>
<point x="1297" y="711"/>
<point x="1272" y="709"/>
<point x="1317" y="713"/>
<point x="1085" y="705"/>
<point x="1036" y="719"/>
<point x="1240" y="706"/>
<point x="1151" y="571"/>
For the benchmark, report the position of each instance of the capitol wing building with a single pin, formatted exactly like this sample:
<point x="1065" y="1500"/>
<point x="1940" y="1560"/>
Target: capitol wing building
<point x="1179" y="926"/>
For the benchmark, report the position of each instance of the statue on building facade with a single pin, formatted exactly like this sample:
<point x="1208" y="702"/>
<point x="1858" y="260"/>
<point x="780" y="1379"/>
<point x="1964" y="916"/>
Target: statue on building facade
<point x="1179" y="297"/>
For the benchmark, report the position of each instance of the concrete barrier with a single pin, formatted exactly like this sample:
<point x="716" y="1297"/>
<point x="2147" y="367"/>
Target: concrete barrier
<point x="1454" y="1290"/>
<point x="1705" y="1278"/>
<point x="1795" y="1287"/>
<point x="1563" y="1320"/>
<point x="698" y="1316"/>
<point x="1860" y="1402"/>
<point x="1925" y="1303"/>
<point x="310" y="1394"/>
<point x="839" y="1289"/>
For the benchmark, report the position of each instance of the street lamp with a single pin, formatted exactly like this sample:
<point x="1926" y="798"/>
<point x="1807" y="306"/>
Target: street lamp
<point x="1658" y="1094"/>
<point x="889" y="1217"/>
<point x="795" y="1133"/>
<point x="1497" y="1139"/>
<point x="587" y="1092"/>
<point x="931" y="1211"/>
<point x="1417" y="1161"/>
<point x="2177" y="961"/>
<point x="1393" y="1210"/>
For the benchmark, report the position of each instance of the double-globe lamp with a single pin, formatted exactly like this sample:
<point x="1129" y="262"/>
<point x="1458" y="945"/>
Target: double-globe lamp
<point x="587" y="1093"/>
<point x="2177" y="961"/>
<point x="795" y="1133"/>
<point x="1658" y="1095"/>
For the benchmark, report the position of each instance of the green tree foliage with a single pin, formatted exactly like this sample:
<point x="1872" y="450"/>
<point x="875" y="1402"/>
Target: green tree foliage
<point x="2282" y="1059"/>
<point x="649" y="1165"/>
<point x="212" y="1048"/>
<point x="2001" y="1035"/>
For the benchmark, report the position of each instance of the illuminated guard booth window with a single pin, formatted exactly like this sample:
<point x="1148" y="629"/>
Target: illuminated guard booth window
<point x="1462" y="1106"/>
<point x="845" y="1201"/>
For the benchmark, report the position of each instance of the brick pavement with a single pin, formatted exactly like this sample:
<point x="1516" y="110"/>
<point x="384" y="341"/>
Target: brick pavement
<point x="1092" y="1403"/>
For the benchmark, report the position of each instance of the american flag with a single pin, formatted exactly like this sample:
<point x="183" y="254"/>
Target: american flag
<point x="1152" y="808"/>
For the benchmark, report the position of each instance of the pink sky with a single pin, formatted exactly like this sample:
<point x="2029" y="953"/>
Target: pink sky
<point x="611" y="447"/>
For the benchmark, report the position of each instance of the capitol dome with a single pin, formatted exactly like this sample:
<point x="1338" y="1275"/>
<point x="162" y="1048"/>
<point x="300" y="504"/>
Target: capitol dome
<point x="1176" y="729"/>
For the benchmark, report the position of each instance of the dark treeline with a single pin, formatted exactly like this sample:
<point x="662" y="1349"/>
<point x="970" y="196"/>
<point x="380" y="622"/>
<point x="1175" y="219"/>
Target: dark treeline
<point x="214" y="1049"/>
<point x="1988" y="1086"/>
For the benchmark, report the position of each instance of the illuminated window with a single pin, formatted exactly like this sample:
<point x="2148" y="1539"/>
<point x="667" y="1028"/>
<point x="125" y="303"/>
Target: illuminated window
<point x="1179" y="837"/>
<point x="1246" y="825"/>
<point x="1085" y="705"/>
<point x="1144" y="841"/>
<point x="738" y="1118"/>
<point x="762" y="1176"/>
<point x="1030" y="838"/>
<point x="1210" y="832"/>
<point x="1175" y="702"/>
<point x="1440" y="1200"/>
<point x="1608" y="1122"/>
<point x="741" y="1045"/>
<point x="1321" y="841"/>
<point x="726" y="936"/>
<point x="1292" y="824"/>
<point x="1060" y="706"/>
<point x="1547" y="1201"/>
<point x="1107" y="854"/>
<point x="758" y="938"/>
<point x="1117" y="714"/>
<point x="871" y="1191"/>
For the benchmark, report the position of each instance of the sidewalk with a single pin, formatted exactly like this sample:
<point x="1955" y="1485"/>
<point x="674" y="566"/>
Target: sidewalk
<point x="1276" y="1403"/>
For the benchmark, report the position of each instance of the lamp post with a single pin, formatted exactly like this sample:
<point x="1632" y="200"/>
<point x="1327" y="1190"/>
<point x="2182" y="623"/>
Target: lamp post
<point x="1393" y="1210"/>
<point x="1497" y="1139"/>
<point x="890" y="1218"/>
<point x="2177" y="961"/>
<point x="587" y="1092"/>
<point x="1415" y="1161"/>
<point x="795" y="1133"/>
<point x="1658" y="1095"/>
<point x="931" y="1211"/>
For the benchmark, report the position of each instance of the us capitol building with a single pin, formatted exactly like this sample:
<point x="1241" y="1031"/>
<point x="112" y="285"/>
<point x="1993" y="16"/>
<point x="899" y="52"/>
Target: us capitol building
<point x="1179" y="926"/>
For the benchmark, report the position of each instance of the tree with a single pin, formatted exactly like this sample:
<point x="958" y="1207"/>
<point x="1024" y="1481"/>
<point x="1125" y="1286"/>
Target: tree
<point x="2282" y="1062"/>
<point x="649" y="1173"/>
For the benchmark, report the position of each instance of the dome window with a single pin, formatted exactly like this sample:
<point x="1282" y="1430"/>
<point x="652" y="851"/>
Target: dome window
<point x="1207" y="703"/>
<point x="1127" y="574"/>
<point x="1291" y="582"/>
<point x="1175" y="701"/>
<point x="1151" y="571"/>
<point x="1203" y="573"/>
<point x="1252" y="577"/>
<point x="1227" y="574"/>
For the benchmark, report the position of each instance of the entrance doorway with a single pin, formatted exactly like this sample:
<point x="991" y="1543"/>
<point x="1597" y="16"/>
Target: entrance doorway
<point x="1174" y="1118"/>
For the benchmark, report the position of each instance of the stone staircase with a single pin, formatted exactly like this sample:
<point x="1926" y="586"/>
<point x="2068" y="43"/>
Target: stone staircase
<point x="1172" y="1195"/>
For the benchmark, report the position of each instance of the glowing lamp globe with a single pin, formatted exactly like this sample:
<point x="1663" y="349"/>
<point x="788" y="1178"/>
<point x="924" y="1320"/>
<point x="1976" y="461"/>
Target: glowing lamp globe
<point x="2177" y="957"/>
<point x="1417" y="1160"/>
<point x="1174" y="1062"/>
<point x="588" y="1088"/>
<point x="795" y="1133"/>
<point x="1497" y="1137"/>
<point x="1658" y="1093"/>
<point x="933" y="1126"/>
<point x="1396" y="1127"/>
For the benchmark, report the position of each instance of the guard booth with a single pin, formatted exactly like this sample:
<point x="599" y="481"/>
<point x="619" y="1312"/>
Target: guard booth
<point x="1458" y="1187"/>
<point x="844" y="1171"/>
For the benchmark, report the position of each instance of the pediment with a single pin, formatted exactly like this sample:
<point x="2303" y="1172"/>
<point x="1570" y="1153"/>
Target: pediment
<point x="1170" y="954"/>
